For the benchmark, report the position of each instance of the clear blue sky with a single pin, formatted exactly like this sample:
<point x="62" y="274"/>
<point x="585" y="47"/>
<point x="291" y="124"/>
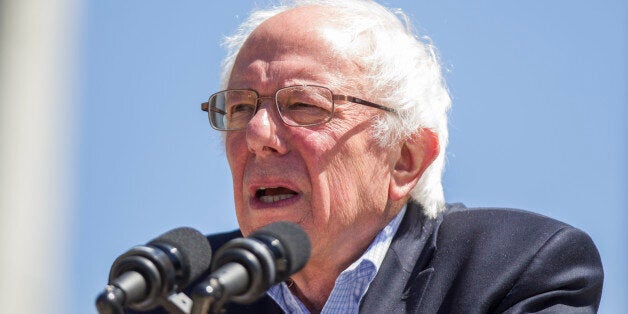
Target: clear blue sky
<point x="538" y="121"/>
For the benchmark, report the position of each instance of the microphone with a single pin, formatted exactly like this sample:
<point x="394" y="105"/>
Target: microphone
<point x="244" y="268"/>
<point x="143" y="275"/>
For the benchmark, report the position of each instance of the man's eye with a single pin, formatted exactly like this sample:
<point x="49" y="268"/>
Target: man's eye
<point x="299" y="106"/>
<point x="241" y="108"/>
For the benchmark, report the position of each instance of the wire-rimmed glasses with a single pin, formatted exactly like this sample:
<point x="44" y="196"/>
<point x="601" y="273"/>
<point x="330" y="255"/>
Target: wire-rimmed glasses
<point x="299" y="105"/>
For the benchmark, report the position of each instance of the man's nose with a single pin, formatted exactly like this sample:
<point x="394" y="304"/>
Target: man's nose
<point x="263" y="132"/>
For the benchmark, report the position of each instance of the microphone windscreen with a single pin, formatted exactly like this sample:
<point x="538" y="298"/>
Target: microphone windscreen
<point x="193" y="247"/>
<point x="294" y="240"/>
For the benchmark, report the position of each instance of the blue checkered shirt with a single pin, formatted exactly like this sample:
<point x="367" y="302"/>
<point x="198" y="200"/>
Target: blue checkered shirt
<point x="351" y="284"/>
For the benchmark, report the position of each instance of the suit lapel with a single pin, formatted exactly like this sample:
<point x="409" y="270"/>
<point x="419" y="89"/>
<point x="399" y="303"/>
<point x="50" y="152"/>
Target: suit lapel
<point x="402" y="277"/>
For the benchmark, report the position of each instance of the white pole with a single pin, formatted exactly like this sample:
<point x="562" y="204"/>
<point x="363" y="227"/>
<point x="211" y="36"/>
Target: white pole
<point x="37" y="56"/>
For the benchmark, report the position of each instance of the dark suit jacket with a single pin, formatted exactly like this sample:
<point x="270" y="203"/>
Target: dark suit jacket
<point x="477" y="261"/>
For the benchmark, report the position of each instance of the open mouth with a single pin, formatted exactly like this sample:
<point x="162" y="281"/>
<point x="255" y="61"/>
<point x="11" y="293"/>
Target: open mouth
<point x="274" y="194"/>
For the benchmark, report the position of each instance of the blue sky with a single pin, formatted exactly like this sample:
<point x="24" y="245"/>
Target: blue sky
<point x="538" y="121"/>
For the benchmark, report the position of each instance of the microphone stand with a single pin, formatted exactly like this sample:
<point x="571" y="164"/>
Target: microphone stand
<point x="205" y="300"/>
<point x="211" y="295"/>
<point x="110" y="302"/>
<point x="177" y="303"/>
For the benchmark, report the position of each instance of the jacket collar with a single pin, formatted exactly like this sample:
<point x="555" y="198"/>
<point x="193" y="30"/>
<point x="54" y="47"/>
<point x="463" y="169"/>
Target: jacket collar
<point x="403" y="276"/>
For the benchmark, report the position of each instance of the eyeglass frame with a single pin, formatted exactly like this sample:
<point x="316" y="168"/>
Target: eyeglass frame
<point x="334" y="98"/>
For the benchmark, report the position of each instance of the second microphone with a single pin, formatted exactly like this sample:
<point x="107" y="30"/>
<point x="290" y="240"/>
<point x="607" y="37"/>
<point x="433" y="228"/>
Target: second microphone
<point x="244" y="268"/>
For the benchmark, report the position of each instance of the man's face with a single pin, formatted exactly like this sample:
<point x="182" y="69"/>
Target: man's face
<point x="333" y="178"/>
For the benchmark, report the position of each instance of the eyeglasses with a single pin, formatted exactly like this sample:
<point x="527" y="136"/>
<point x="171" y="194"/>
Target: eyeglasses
<point x="299" y="105"/>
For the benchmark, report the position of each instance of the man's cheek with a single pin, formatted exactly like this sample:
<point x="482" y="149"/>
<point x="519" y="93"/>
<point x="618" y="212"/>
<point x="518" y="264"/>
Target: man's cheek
<point x="340" y="186"/>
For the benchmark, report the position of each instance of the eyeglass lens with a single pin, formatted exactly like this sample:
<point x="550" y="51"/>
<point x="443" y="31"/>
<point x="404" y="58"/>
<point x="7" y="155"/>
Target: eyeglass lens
<point x="303" y="105"/>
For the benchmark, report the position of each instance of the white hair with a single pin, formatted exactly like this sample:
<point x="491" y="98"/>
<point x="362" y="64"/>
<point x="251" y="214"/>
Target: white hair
<point x="402" y="72"/>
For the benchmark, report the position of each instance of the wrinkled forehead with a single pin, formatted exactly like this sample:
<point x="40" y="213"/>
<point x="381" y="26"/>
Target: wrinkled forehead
<point x="310" y="32"/>
<point x="303" y="27"/>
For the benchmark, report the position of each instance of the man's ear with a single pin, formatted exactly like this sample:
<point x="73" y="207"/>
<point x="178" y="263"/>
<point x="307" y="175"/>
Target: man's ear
<point x="414" y="156"/>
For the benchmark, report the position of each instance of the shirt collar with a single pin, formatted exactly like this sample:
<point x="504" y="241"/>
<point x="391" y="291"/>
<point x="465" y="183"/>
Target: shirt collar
<point x="348" y="290"/>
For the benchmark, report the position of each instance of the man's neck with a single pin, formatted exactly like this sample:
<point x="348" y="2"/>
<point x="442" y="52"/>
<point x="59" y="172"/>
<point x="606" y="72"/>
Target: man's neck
<point x="314" y="283"/>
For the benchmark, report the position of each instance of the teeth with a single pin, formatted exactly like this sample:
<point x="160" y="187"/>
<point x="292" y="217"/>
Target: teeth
<point x="274" y="198"/>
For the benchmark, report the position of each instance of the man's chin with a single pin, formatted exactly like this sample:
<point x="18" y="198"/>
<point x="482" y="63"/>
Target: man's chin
<point x="262" y="218"/>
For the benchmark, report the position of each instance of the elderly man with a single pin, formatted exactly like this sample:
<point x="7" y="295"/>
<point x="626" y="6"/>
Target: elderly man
<point x="334" y="117"/>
